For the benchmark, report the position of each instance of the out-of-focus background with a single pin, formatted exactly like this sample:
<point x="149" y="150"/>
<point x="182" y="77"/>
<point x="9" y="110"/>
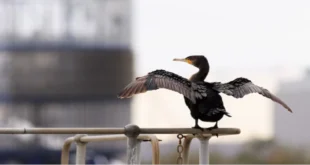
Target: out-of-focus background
<point x="62" y="63"/>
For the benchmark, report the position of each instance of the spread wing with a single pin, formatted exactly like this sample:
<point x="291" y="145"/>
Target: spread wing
<point x="167" y="80"/>
<point x="242" y="86"/>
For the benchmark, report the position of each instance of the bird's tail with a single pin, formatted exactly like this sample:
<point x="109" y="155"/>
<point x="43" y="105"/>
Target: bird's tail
<point x="227" y="114"/>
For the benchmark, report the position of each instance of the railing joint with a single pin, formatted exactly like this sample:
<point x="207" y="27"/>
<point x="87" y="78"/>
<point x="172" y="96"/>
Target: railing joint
<point x="132" y="130"/>
<point x="80" y="149"/>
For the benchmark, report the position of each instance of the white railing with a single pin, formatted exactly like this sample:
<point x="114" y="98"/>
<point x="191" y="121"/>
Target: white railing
<point x="134" y="136"/>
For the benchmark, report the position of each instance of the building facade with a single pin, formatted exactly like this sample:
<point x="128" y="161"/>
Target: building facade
<point x="62" y="64"/>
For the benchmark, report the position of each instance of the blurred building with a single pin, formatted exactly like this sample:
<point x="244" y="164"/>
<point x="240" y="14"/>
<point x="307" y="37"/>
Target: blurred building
<point x="62" y="63"/>
<point x="292" y="128"/>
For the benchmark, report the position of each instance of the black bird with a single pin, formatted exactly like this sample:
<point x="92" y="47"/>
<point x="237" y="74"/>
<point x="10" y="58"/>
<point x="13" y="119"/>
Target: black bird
<point x="202" y="98"/>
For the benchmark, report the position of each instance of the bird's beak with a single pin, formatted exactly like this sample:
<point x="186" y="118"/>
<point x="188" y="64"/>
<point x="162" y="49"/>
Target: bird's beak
<point x="183" y="60"/>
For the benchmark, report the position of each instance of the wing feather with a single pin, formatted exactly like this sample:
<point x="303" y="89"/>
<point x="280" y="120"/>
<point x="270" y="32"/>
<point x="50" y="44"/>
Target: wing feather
<point x="240" y="87"/>
<point x="167" y="80"/>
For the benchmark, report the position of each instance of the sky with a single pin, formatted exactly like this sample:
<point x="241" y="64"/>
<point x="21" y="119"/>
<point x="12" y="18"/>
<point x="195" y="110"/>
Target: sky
<point x="265" y="41"/>
<point x="231" y="33"/>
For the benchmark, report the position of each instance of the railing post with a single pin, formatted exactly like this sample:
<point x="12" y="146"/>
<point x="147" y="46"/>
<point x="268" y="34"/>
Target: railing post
<point x="80" y="150"/>
<point x="186" y="144"/>
<point x="204" y="149"/>
<point x="155" y="149"/>
<point x="133" y="144"/>
<point x="65" y="151"/>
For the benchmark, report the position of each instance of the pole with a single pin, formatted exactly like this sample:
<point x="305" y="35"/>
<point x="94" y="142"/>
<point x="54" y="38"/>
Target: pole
<point x="133" y="144"/>
<point x="80" y="150"/>
<point x="204" y="150"/>
<point x="186" y="144"/>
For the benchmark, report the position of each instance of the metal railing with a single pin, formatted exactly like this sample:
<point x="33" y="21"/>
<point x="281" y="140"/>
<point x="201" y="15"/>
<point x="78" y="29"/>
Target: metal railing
<point x="134" y="136"/>
<point x="82" y="140"/>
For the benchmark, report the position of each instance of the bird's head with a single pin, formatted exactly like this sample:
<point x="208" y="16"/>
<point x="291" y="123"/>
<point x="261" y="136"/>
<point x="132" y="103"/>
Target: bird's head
<point x="198" y="61"/>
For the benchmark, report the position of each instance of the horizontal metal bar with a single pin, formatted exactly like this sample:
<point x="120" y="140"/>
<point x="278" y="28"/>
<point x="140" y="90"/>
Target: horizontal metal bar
<point x="99" y="138"/>
<point x="220" y="131"/>
<point x="62" y="131"/>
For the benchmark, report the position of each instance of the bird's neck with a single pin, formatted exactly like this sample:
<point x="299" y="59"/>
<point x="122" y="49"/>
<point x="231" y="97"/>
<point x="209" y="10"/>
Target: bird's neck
<point x="201" y="74"/>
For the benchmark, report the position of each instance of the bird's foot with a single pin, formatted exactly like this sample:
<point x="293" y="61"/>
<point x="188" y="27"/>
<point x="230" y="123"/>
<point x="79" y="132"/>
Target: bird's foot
<point x="197" y="127"/>
<point x="212" y="128"/>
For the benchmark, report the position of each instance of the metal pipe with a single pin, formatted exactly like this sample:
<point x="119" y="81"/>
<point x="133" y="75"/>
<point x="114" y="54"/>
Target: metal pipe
<point x="133" y="144"/>
<point x="100" y="138"/>
<point x="65" y="150"/>
<point x="186" y="145"/>
<point x="133" y="151"/>
<point x="155" y="149"/>
<point x="80" y="150"/>
<point x="62" y="131"/>
<point x="220" y="131"/>
<point x="131" y="132"/>
<point x="154" y="141"/>
<point x="204" y="149"/>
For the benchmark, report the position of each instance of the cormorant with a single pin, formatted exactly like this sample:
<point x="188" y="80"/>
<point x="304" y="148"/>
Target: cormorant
<point x="202" y="98"/>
